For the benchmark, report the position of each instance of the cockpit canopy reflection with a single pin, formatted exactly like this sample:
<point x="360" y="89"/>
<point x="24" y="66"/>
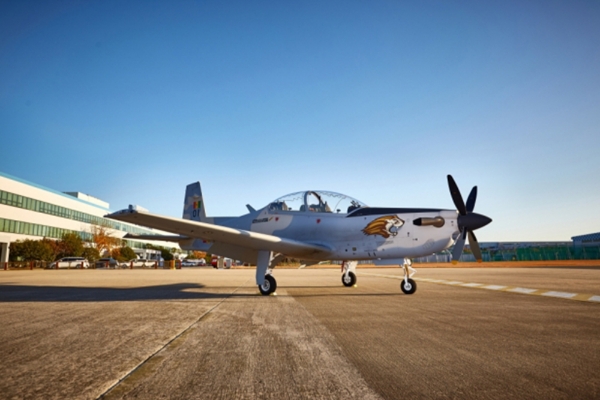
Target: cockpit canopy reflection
<point x="316" y="201"/>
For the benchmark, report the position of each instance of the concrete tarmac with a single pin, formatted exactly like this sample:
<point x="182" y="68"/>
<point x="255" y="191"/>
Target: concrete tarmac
<point x="203" y="333"/>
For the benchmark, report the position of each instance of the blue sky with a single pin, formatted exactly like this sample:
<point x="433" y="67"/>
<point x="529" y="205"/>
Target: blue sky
<point x="129" y="101"/>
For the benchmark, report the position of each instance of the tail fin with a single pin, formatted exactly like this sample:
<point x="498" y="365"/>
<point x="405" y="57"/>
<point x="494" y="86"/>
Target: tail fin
<point x="193" y="204"/>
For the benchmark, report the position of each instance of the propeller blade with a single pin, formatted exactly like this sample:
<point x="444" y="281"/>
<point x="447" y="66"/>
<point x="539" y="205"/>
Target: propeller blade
<point x="456" y="196"/>
<point x="458" y="246"/>
<point x="471" y="199"/>
<point x="474" y="246"/>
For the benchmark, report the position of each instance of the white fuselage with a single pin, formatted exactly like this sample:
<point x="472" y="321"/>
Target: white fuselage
<point x="349" y="238"/>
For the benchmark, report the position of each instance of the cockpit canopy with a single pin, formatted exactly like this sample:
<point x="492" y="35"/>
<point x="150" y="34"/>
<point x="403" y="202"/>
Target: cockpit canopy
<point x="316" y="201"/>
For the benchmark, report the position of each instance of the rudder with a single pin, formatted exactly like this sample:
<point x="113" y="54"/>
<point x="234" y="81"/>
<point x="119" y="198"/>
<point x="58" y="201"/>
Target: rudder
<point x="193" y="203"/>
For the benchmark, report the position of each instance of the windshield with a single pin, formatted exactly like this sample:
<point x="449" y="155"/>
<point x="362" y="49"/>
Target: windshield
<point x="316" y="201"/>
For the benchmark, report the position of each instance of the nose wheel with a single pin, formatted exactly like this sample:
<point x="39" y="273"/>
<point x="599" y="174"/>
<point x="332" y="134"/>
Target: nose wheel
<point x="349" y="273"/>
<point x="408" y="286"/>
<point x="269" y="285"/>
<point x="349" y="279"/>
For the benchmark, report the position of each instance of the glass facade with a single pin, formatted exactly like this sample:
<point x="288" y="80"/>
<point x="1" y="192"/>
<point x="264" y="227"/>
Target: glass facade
<point x="26" y="228"/>
<point x="15" y="200"/>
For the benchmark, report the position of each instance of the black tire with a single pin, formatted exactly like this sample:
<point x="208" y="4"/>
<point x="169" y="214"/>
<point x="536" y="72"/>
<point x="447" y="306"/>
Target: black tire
<point x="350" y="280"/>
<point x="408" y="287"/>
<point x="269" y="286"/>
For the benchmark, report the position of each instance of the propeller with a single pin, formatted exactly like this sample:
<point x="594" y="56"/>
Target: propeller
<point x="468" y="221"/>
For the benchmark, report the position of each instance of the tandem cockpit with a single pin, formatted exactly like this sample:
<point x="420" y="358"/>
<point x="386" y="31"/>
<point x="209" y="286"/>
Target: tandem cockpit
<point x="317" y="201"/>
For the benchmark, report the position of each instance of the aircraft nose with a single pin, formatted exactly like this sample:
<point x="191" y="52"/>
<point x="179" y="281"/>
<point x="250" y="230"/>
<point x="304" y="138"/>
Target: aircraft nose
<point x="473" y="221"/>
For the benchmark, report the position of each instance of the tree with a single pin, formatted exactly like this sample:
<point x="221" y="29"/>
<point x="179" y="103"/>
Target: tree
<point x="71" y="244"/>
<point x="116" y="254"/>
<point x="166" y="254"/>
<point x="124" y="253"/>
<point x="103" y="240"/>
<point x="32" y="250"/>
<point x="196" y="255"/>
<point x="91" y="254"/>
<point x="54" y="246"/>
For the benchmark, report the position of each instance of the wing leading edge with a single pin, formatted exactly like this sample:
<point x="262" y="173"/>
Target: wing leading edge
<point x="222" y="234"/>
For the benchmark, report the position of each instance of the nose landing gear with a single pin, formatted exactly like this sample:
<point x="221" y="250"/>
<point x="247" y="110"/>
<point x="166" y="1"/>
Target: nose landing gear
<point x="408" y="285"/>
<point x="349" y="279"/>
<point x="349" y="273"/>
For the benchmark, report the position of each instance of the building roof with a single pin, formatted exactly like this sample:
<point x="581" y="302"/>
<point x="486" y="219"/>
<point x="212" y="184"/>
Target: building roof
<point x="590" y="237"/>
<point x="99" y="204"/>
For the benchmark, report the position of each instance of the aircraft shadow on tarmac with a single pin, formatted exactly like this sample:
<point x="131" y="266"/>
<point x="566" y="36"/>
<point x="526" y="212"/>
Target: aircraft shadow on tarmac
<point x="181" y="291"/>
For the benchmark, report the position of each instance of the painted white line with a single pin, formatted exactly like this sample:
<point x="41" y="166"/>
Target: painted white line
<point x="563" y="295"/>
<point x="472" y="284"/>
<point x="522" y="290"/>
<point x="494" y="287"/>
<point x="534" y="292"/>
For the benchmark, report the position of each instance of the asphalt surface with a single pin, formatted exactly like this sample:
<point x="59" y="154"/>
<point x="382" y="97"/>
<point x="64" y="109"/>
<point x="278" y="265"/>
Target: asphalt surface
<point x="203" y="333"/>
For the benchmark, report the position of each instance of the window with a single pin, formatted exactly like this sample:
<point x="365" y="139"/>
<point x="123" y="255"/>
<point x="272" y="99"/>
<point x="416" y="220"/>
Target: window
<point x="15" y="200"/>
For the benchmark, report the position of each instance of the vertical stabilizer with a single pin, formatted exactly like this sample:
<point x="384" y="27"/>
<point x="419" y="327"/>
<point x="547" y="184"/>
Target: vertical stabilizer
<point x="193" y="203"/>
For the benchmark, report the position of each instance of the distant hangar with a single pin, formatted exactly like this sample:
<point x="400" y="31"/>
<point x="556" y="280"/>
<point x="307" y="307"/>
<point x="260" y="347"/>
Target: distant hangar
<point x="591" y="239"/>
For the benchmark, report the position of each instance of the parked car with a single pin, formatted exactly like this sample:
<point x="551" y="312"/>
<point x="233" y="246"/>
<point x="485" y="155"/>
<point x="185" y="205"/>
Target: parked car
<point x="70" y="262"/>
<point x="193" y="262"/>
<point x="139" y="263"/>
<point x="214" y="261"/>
<point x="112" y="263"/>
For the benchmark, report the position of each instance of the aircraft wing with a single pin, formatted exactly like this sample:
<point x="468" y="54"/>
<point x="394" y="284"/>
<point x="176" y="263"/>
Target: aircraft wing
<point x="221" y="235"/>
<point x="165" y="238"/>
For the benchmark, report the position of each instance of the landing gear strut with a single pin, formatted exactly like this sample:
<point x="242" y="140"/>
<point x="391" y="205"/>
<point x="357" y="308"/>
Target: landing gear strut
<point x="407" y="285"/>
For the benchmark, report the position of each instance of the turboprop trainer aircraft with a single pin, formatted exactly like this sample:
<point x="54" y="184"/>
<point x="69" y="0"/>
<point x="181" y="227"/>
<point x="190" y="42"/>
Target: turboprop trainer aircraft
<point x="317" y="225"/>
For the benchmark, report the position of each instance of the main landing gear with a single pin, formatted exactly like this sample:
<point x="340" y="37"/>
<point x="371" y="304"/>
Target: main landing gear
<point x="264" y="279"/>
<point x="269" y="285"/>
<point x="407" y="285"/>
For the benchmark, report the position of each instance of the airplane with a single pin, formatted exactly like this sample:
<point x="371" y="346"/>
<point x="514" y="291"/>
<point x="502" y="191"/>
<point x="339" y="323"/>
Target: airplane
<point x="317" y="225"/>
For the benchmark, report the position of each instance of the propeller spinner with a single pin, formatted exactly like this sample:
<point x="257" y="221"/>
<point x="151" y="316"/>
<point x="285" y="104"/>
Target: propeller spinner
<point x="468" y="221"/>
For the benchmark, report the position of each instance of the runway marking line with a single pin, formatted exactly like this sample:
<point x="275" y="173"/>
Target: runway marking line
<point x="472" y="284"/>
<point x="119" y="381"/>
<point x="501" y="288"/>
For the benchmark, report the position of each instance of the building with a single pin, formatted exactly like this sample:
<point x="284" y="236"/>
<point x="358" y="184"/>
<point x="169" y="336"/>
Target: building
<point x="591" y="239"/>
<point x="30" y="211"/>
